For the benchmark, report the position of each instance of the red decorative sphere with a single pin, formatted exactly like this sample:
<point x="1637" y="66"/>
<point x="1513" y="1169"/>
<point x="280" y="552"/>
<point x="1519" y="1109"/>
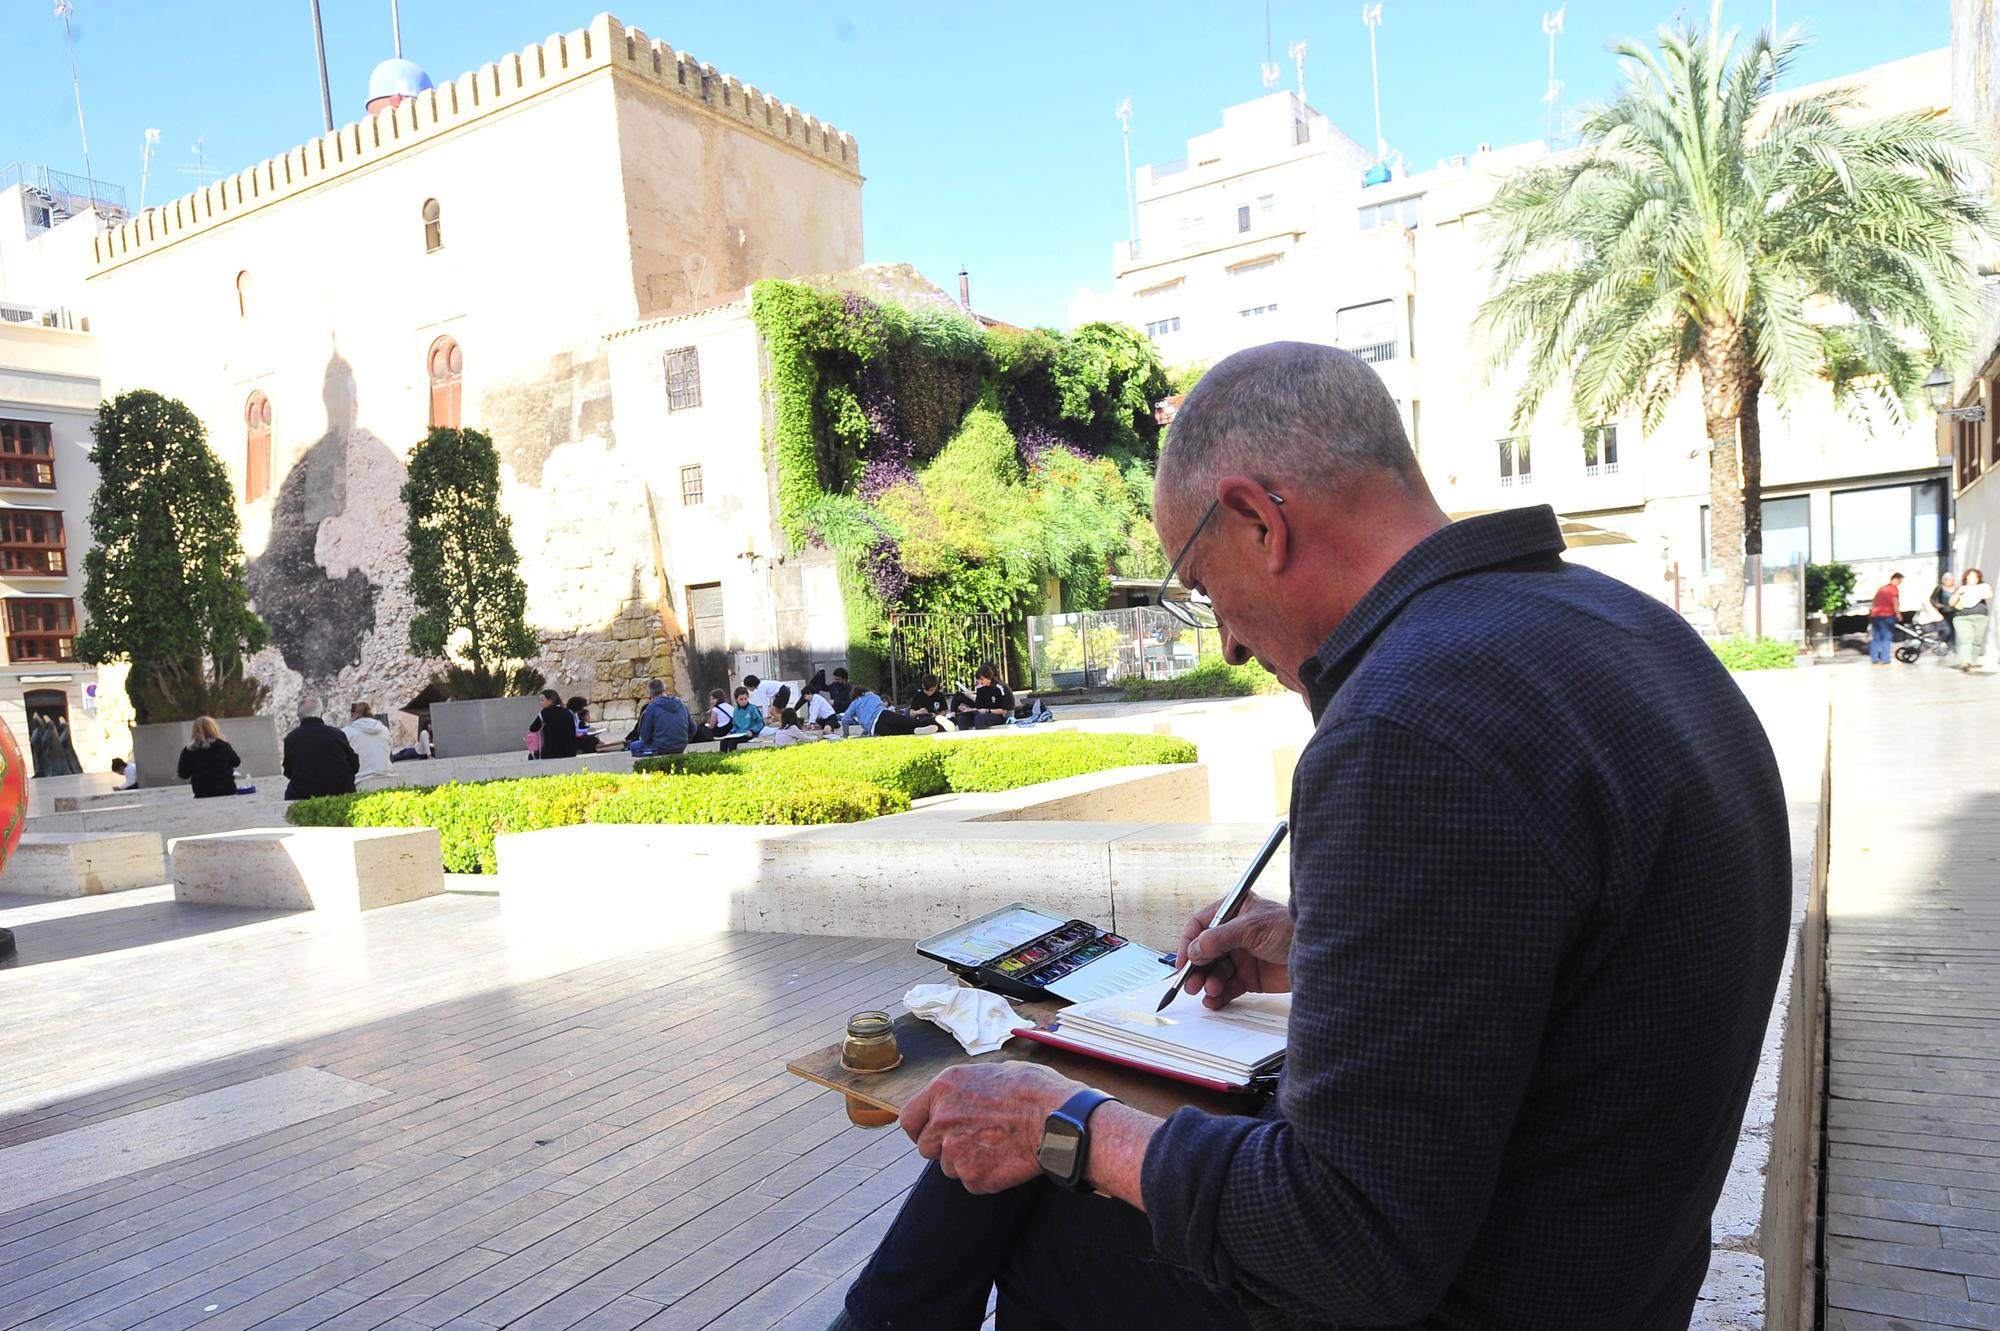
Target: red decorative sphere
<point x="13" y="795"/>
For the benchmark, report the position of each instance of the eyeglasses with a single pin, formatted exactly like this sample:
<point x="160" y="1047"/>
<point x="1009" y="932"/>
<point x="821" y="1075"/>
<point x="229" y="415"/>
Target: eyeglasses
<point x="1195" y="611"/>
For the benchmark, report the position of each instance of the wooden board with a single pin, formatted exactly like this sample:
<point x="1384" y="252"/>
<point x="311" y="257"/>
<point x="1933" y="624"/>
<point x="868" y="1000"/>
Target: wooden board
<point x="929" y="1049"/>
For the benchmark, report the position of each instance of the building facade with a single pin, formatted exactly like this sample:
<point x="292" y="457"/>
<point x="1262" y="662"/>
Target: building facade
<point x="1970" y="437"/>
<point x="66" y="716"/>
<point x="1393" y="265"/>
<point x="457" y="260"/>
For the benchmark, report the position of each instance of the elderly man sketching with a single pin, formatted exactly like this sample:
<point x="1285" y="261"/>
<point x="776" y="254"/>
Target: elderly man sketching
<point x="1540" y="885"/>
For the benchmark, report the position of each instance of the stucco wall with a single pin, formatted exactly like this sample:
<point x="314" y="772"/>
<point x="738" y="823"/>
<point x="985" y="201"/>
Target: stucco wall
<point x="562" y="176"/>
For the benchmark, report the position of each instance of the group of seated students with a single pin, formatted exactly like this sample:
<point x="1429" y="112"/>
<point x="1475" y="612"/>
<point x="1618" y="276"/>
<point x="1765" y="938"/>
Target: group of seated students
<point x="766" y="711"/>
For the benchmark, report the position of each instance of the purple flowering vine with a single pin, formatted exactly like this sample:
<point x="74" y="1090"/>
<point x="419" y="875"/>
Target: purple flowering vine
<point x="891" y="458"/>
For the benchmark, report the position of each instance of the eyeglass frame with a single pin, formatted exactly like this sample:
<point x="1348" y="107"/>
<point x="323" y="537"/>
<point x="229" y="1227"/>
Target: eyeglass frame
<point x="1185" y="609"/>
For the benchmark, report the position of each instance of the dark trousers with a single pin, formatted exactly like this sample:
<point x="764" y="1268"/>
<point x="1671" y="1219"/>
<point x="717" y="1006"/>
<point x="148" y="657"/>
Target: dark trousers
<point x="895" y="723"/>
<point x="1062" y="1261"/>
<point x="978" y="720"/>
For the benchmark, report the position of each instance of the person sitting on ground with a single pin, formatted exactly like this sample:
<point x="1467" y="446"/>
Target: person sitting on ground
<point x="928" y="705"/>
<point x="1539" y="901"/>
<point x="746" y="722"/>
<point x="761" y="691"/>
<point x="867" y="714"/>
<point x="369" y="739"/>
<point x="208" y="764"/>
<point x="840" y="692"/>
<point x="318" y="758"/>
<point x="663" y="726"/>
<point x="556" y="725"/>
<point x="127" y="772"/>
<point x="990" y="704"/>
<point x="816" y="711"/>
<point x="588" y="737"/>
<point x="716" y="721"/>
<point x="789" y="731"/>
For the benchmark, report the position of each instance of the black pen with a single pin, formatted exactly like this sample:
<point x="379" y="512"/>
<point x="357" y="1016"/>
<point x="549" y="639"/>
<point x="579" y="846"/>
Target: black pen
<point x="1230" y="904"/>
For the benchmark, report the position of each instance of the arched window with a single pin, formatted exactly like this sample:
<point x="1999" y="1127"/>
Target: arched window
<point x="433" y="232"/>
<point x="447" y="364"/>
<point x="256" y="448"/>
<point x="243" y="294"/>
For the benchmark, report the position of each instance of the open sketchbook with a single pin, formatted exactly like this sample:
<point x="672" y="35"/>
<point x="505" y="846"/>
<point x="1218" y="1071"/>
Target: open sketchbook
<point x="1227" y="1048"/>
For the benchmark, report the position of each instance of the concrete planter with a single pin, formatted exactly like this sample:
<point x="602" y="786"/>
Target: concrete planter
<point x="483" y="725"/>
<point x="157" y="748"/>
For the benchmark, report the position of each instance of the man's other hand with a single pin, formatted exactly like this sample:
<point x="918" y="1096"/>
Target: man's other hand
<point x="1248" y="955"/>
<point x="983" y="1123"/>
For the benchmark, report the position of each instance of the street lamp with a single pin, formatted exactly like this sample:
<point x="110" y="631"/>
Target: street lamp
<point x="1937" y="388"/>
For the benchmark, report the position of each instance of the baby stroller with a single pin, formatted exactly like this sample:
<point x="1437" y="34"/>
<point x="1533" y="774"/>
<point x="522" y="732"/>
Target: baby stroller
<point x="1918" y="638"/>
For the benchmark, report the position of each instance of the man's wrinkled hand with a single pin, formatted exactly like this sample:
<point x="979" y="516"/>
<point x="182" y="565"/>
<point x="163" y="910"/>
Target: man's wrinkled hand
<point x="983" y="1123"/>
<point x="1248" y="955"/>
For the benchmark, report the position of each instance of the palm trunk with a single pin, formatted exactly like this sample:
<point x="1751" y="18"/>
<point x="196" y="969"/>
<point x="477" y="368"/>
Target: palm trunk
<point x="1728" y="400"/>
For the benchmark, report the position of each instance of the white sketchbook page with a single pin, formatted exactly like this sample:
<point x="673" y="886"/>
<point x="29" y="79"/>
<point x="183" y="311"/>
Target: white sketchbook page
<point x="1242" y="1035"/>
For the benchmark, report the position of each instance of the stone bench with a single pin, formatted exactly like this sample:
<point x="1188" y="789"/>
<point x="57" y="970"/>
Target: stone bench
<point x="84" y="864"/>
<point x="339" y="869"/>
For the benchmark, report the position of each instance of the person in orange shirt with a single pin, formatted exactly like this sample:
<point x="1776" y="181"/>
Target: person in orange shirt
<point x="1882" y="618"/>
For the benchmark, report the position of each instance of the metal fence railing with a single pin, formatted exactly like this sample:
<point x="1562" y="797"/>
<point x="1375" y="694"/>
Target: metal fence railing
<point x="1100" y="648"/>
<point x="952" y="647"/>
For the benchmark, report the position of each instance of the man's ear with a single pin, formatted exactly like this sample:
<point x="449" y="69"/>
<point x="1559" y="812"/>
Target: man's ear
<point x="1246" y="500"/>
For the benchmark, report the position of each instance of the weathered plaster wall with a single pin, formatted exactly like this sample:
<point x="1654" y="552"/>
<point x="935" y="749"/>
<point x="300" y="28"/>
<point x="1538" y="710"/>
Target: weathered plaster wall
<point x="340" y="302"/>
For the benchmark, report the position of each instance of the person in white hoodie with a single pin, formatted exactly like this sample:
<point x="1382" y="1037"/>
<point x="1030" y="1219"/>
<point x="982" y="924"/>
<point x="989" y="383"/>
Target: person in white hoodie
<point x="370" y="739"/>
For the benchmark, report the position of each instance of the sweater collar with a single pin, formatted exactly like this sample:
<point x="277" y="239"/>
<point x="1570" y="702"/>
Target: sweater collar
<point x="1464" y="547"/>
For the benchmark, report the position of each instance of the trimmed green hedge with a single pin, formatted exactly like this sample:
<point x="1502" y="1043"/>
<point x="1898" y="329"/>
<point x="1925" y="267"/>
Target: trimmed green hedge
<point x="798" y="786"/>
<point x="1212" y="677"/>
<point x="1755" y="653"/>
<point x="747" y="799"/>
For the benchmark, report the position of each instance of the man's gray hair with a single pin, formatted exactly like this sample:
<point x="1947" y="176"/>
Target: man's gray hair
<point x="1316" y="416"/>
<point x="654" y="688"/>
<point x="309" y="706"/>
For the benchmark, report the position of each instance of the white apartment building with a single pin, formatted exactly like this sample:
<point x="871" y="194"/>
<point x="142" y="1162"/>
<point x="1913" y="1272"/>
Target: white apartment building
<point x="49" y="373"/>
<point x="1275" y="227"/>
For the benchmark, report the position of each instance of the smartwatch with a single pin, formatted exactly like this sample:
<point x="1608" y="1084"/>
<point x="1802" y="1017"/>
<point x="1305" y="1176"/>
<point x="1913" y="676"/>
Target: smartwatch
<point x="1065" y="1150"/>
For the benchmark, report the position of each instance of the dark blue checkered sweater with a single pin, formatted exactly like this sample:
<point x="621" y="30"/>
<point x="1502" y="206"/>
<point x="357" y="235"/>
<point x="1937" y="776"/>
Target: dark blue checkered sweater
<point x="1541" y="882"/>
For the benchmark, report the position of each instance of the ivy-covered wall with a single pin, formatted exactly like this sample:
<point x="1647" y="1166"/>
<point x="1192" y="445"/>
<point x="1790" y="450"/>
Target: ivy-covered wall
<point x="957" y="468"/>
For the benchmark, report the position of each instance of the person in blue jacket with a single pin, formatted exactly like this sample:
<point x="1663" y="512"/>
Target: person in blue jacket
<point x="663" y="726"/>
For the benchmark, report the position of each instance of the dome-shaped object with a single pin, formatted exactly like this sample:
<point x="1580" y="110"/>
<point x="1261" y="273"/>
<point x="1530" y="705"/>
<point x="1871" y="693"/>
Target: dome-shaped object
<point x="1377" y="174"/>
<point x="397" y="77"/>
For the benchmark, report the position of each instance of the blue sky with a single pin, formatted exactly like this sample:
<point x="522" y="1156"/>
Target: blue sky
<point x="987" y="130"/>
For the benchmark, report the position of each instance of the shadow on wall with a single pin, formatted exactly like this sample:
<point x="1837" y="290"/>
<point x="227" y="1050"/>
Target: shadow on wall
<point x="318" y="622"/>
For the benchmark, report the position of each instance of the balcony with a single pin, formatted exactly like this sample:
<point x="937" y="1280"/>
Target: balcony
<point x="1600" y="469"/>
<point x="1374" y="352"/>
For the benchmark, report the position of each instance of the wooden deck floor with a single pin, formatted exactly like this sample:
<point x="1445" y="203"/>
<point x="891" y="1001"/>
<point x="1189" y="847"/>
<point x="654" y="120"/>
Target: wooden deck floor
<point x="590" y="1131"/>
<point x="1913" y="979"/>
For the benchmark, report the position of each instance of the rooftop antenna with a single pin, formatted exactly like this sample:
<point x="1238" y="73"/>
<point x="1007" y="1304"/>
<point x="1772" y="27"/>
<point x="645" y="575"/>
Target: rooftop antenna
<point x="200" y="168"/>
<point x="1297" y="50"/>
<point x="1270" y="67"/>
<point x="1124" y="114"/>
<point x="1371" y="19"/>
<point x="63" y="8"/>
<point x="396" y="27"/>
<point x="319" y="43"/>
<point x="1552" y="24"/>
<point x="146" y="163"/>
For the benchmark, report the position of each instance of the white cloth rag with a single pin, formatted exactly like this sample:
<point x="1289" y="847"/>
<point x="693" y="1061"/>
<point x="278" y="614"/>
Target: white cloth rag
<point x="981" y="1022"/>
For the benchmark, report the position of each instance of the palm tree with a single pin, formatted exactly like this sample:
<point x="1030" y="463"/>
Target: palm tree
<point x="1762" y="245"/>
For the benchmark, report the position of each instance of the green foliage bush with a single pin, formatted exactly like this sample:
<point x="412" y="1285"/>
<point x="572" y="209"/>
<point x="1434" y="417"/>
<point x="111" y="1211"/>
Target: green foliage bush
<point x="798" y="786"/>
<point x="788" y="800"/>
<point x="1829" y="587"/>
<point x="1745" y="653"/>
<point x="1212" y="677"/>
<point x="1008" y="762"/>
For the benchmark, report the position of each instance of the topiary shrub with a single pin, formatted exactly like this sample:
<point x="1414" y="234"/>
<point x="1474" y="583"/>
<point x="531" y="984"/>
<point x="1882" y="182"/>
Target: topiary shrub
<point x="467" y="815"/>
<point x="1212" y="677"/>
<point x="1014" y="761"/>
<point x="913" y="765"/>
<point x="792" y="800"/>
<point x="1755" y="653"/>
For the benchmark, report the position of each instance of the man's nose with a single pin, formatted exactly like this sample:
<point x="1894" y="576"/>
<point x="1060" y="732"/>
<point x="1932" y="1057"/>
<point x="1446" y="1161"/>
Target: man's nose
<point x="1234" y="650"/>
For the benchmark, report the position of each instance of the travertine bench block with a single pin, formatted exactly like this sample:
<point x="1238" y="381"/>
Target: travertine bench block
<point x="310" y="868"/>
<point x="83" y="864"/>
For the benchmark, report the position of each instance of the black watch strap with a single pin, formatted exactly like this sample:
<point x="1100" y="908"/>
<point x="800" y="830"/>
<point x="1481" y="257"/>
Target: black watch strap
<point x="1074" y="1114"/>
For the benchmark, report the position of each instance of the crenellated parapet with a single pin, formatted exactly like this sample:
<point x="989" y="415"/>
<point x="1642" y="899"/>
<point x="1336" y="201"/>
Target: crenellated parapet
<point x="542" y="68"/>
